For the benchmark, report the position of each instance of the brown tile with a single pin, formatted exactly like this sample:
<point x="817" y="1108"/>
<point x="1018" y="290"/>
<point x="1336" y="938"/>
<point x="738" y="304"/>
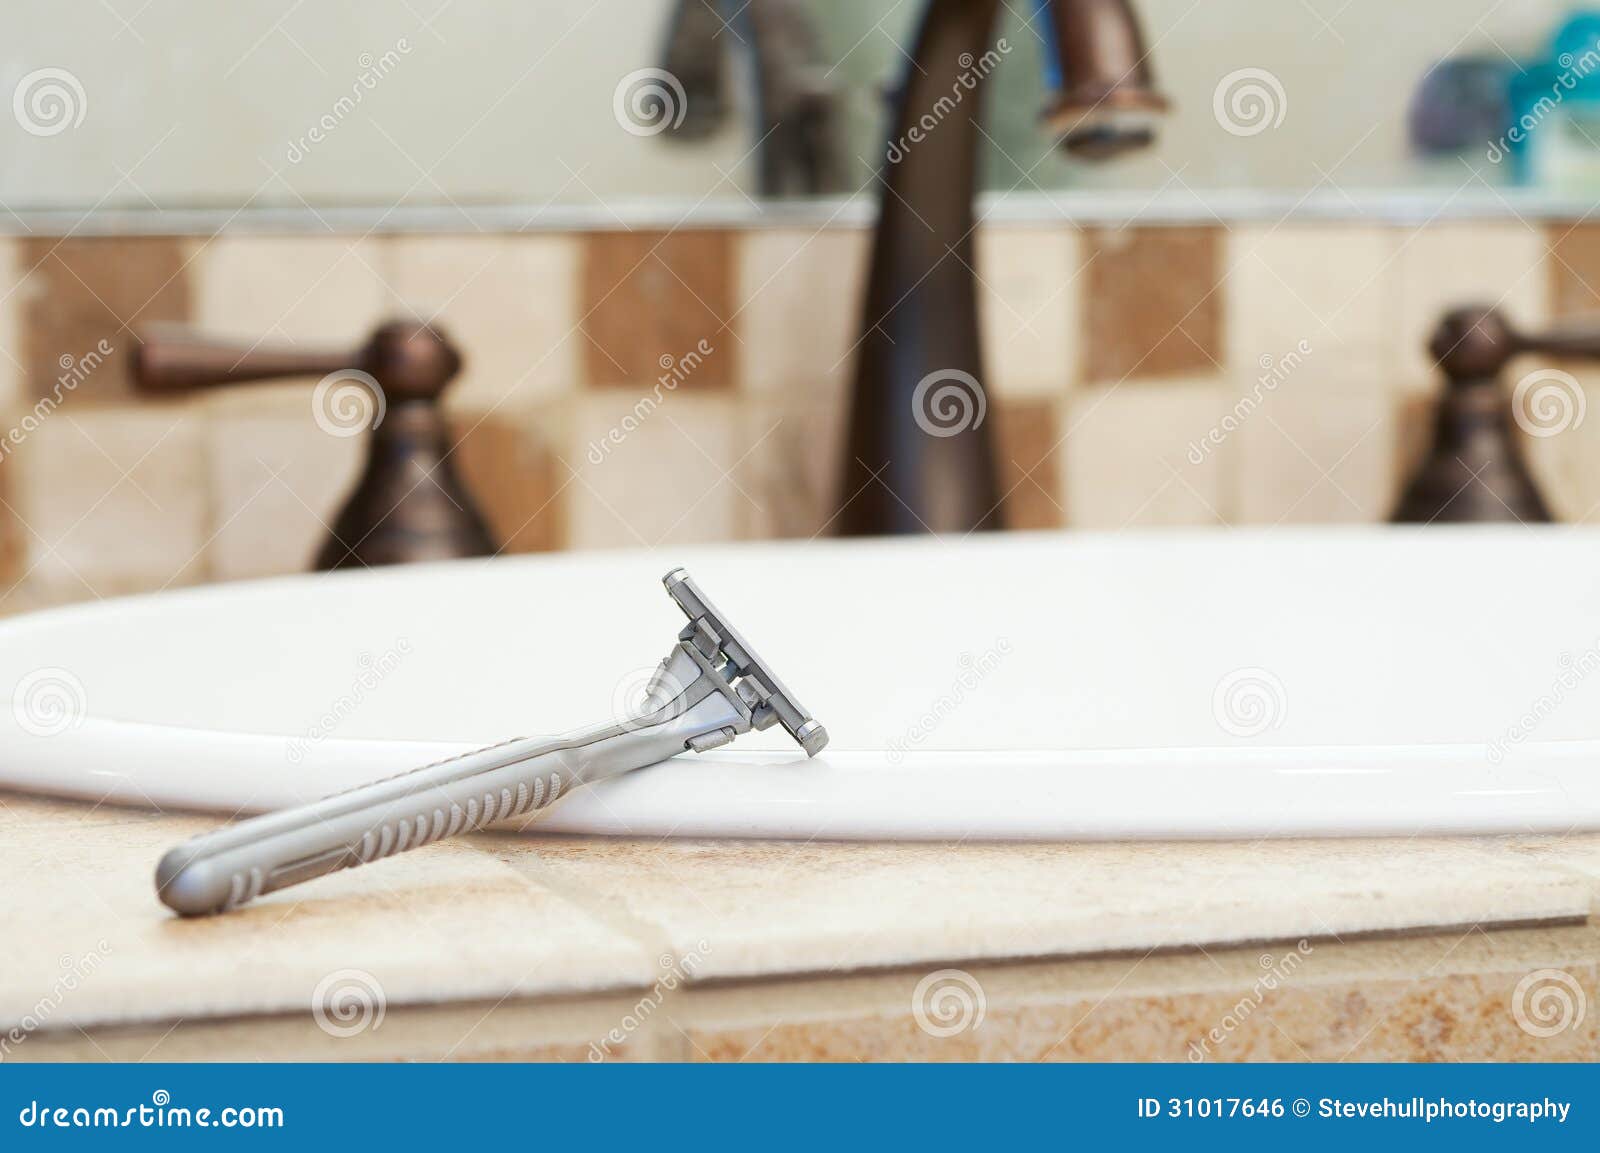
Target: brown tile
<point x="649" y="296"/>
<point x="80" y="292"/>
<point x="1027" y="459"/>
<point x="1152" y="304"/>
<point x="1574" y="268"/>
<point x="508" y="463"/>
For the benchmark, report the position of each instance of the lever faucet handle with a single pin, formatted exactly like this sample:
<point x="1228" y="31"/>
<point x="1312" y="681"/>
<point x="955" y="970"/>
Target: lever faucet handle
<point x="1475" y="343"/>
<point x="409" y="360"/>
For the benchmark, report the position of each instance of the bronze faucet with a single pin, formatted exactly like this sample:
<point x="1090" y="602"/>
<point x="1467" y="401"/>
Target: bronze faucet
<point x="1475" y="471"/>
<point x="409" y="504"/>
<point x="918" y="456"/>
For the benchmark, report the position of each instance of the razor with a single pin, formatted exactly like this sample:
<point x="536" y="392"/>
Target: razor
<point x="710" y="688"/>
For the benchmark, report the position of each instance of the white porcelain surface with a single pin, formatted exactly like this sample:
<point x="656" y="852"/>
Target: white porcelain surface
<point x="1050" y="686"/>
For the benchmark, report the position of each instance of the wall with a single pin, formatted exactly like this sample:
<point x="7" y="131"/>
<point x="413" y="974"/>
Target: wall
<point x="1112" y="353"/>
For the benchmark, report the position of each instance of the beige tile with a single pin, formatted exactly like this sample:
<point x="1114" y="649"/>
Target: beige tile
<point x="1312" y="451"/>
<point x="783" y="907"/>
<point x="1332" y="286"/>
<point x="114" y="498"/>
<point x="792" y="458"/>
<point x="1030" y="297"/>
<point x="451" y="923"/>
<point x="276" y="480"/>
<point x="1574" y="267"/>
<point x="1566" y="464"/>
<point x="799" y="298"/>
<point x="1445" y="266"/>
<point x="508" y="302"/>
<point x="1153" y="306"/>
<point x="650" y="468"/>
<point x="1131" y="459"/>
<point x="289" y="289"/>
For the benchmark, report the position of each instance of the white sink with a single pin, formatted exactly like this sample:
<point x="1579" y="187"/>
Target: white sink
<point x="1041" y="686"/>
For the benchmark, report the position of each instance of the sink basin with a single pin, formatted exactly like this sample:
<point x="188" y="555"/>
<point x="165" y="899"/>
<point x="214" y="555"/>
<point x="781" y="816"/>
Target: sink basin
<point x="1205" y="684"/>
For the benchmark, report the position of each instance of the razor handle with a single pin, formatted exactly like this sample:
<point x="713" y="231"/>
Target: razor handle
<point x="690" y="705"/>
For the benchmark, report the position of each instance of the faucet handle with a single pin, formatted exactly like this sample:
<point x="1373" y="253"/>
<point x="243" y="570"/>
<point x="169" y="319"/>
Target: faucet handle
<point x="409" y="360"/>
<point x="1475" y="343"/>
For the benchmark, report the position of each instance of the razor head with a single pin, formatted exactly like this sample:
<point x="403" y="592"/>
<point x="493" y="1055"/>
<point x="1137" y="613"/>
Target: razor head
<point x="709" y="628"/>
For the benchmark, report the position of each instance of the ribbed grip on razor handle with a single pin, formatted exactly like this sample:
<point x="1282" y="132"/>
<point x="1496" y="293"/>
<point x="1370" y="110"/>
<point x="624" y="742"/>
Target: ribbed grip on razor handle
<point x="225" y="869"/>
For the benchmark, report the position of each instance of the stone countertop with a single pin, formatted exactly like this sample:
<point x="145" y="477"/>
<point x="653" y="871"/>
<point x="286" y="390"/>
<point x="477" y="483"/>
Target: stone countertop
<point x="516" y="945"/>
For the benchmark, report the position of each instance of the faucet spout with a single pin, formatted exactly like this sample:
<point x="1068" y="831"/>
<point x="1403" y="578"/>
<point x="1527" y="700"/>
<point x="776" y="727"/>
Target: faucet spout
<point x="919" y="457"/>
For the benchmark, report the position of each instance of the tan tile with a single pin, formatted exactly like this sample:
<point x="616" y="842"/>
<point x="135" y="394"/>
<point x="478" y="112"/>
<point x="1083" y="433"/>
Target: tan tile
<point x="79" y="293"/>
<point x="276" y="480"/>
<point x="451" y="923"/>
<point x="1131" y="455"/>
<point x="649" y="298"/>
<point x="1566" y="464"/>
<point x="1153" y="307"/>
<point x="799" y="298"/>
<point x="649" y="472"/>
<point x="1445" y="266"/>
<point x="1332" y="286"/>
<point x="115" y="498"/>
<point x="781" y="907"/>
<point x="295" y="289"/>
<point x="1310" y="452"/>
<point x="508" y="302"/>
<point x="1028" y="459"/>
<point x="1574" y="267"/>
<point x="12" y="307"/>
<point x="507" y="461"/>
<point x="1030" y="301"/>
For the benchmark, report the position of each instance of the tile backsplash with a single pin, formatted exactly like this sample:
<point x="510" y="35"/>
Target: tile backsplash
<point x="629" y="388"/>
